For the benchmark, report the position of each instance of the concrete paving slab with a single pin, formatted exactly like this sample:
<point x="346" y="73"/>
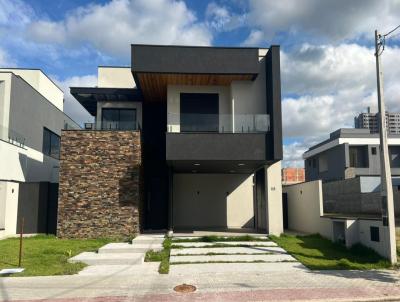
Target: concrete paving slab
<point x="208" y="244"/>
<point x="263" y="237"/>
<point x="91" y="258"/>
<point x="228" y="250"/>
<point x="147" y="268"/>
<point x="229" y="268"/>
<point x="136" y="247"/>
<point x="148" y="239"/>
<point x="232" y="258"/>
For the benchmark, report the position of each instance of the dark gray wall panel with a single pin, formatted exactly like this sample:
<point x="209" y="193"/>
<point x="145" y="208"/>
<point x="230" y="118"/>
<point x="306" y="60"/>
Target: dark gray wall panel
<point x="273" y="79"/>
<point x="215" y="146"/>
<point x="189" y="59"/>
<point x="30" y="112"/>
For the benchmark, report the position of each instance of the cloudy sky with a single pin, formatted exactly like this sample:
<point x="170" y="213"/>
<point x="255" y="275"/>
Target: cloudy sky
<point x="327" y="61"/>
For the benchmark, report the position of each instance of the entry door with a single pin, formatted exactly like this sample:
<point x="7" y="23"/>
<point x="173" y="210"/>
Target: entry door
<point x="261" y="204"/>
<point x="157" y="205"/>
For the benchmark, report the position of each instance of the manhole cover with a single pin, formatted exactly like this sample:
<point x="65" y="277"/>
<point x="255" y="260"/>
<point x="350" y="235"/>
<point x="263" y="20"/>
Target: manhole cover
<point x="185" y="288"/>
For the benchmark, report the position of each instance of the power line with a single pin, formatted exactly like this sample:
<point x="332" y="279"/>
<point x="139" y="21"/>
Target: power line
<point x="394" y="29"/>
<point x="382" y="40"/>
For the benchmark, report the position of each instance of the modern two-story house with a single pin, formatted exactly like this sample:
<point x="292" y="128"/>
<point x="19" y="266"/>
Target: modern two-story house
<point x="31" y="119"/>
<point x="349" y="153"/>
<point x="187" y="138"/>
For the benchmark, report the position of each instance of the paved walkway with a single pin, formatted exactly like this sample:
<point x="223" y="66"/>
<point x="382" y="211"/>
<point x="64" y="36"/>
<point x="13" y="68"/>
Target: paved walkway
<point x="121" y="258"/>
<point x="280" y="281"/>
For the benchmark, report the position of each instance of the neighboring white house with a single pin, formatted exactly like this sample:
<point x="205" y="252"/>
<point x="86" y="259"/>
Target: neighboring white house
<point x="31" y="119"/>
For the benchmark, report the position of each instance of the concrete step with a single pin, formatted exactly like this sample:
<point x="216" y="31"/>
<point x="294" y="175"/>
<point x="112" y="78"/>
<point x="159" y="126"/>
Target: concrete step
<point x="147" y="268"/>
<point x="129" y="248"/>
<point x="228" y="250"/>
<point x="91" y="258"/>
<point x="148" y="239"/>
<point x="208" y="244"/>
<point x="232" y="258"/>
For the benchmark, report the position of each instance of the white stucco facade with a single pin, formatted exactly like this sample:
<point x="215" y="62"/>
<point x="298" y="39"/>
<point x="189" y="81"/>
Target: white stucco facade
<point x="41" y="83"/>
<point x="8" y="208"/>
<point x="115" y="77"/>
<point x="213" y="201"/>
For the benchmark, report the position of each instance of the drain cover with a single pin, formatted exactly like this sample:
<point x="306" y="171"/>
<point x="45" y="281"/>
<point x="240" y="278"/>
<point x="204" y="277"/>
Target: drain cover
<point x="185" y="288"/>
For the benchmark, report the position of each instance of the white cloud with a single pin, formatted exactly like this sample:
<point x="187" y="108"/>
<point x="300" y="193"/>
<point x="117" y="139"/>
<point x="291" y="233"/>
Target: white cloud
<point x="112" y="27"/>
<point x="330" y="85"/>
<point x="71" y="106"/>
<point x="6" y="60"/>
<point x="255" y="38"/>
<point x="220" y="18"/>
<point x="336" y="20"/>
<point x="15" y="13"/>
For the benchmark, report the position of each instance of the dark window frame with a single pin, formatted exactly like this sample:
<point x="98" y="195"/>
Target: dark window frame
<point x="134" y="122"/>
<point x="373" y="150"/>
<point x="51" y="147"/>
<point x="199" y="111"/>
<point x="374" y="233"/>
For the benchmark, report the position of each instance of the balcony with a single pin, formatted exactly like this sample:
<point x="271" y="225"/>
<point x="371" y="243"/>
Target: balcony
<point x="12" y="137"/>
<point x="221" y="143"/>
<point x="112" y="126"/>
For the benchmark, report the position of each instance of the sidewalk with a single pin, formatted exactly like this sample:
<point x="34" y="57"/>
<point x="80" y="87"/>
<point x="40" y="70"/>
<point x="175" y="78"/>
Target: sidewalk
<point x="298" y="285"/>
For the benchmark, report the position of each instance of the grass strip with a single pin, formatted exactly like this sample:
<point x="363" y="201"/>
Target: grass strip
<point x="160" y="256"/>
<point x="46" y="255"/>
<point x="318" y="253"/>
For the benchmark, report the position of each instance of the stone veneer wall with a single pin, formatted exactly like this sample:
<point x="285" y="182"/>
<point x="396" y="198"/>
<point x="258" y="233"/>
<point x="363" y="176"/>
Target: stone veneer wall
<point x="100" y="184"/>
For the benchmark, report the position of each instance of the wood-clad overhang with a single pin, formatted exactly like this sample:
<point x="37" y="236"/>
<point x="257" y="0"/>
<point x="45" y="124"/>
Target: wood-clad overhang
<point x="154" y="67"/>
<point x="154" y="85"/>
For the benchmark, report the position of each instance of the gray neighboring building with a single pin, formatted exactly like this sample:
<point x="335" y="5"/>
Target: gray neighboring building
<point x="369" y="121"/>
<point x="31" y="120"/>
<point x="349" y="153"/>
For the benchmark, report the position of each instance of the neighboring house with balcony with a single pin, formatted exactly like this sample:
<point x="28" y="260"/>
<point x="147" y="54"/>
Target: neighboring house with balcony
<point x="31" y="119"/>
<point x="187" y="138"/>
<point x="349" y="153"/>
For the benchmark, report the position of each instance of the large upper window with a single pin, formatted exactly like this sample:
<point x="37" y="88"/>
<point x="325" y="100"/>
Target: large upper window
<point x="358" y="156"/>
<point x="199" y="112"/>
<point x="118" y="119"/>
<point x="51" y="143"/>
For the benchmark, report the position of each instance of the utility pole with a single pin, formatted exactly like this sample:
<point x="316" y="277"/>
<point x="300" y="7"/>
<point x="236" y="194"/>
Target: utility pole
<point x="388" y="219"/>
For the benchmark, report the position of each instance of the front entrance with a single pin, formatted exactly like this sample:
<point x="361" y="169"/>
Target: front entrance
<point x="155" y="167"/>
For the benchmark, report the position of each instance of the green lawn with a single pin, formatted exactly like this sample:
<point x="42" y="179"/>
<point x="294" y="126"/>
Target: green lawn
<point x="161" y="256"/>
<point x="46" y="255"/>
<point x="319" y="253"/>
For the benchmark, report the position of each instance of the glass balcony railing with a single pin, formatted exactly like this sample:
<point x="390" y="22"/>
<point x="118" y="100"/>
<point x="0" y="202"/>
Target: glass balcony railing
<point x="112" y="125"/>
<point x="11" y="136"/>
<point x="220" y="123"/>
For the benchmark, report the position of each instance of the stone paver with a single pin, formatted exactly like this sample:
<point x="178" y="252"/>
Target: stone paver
<point x="228" y="250"/>
<point x="206" y="244"/>
<point x="232" y="258"/>
<point x="279" y="285"/>
<point x="108" y="258"/>
<point x="239" y="268"/>
<point x="135" y="247"/>
<point x="147" y="268"/>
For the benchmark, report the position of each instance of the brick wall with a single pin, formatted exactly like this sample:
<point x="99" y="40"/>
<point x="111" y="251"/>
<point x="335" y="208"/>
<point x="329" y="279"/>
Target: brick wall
<point x="99" y="190"/>
<point x="292" y="175"/>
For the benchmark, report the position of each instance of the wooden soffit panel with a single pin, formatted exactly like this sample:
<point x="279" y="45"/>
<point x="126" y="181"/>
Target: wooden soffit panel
<point x="154" y="85"/>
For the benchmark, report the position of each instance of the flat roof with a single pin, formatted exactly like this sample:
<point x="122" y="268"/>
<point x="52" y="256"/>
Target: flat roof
<point x="89" y="96"/>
